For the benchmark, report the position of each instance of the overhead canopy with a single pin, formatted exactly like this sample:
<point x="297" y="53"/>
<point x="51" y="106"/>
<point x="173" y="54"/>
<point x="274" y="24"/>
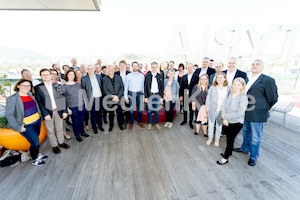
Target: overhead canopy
<point x="63" y="5"/>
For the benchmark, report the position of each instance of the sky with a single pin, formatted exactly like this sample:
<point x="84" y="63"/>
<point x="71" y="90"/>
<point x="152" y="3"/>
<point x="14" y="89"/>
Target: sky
<point x="143" y="27"/>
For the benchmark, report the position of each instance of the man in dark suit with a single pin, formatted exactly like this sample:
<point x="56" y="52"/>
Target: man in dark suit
<point x="232" y="72"/>
<point x="262" y="95"/>
<point x="92" y="84"/>
<point x="153" y="92"/>
<point x="205" y="69"/>
<point x="113" y="90"/>
<point x="52" y="102"/>
<point x="123" y="72"/>
<point x="188" y="81"/>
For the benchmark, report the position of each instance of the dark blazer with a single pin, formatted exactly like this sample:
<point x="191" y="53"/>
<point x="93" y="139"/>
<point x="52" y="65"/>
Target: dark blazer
<point x="109" y="89"/>
<point x="43" y="98"/>
<point x="239" y="73"/>
<point x="148" y="83"/>
<point x="87" y="85"/>
<point x="262" y="95"/>
<point x="184" y="84"/>
<point x="209" y="72"/>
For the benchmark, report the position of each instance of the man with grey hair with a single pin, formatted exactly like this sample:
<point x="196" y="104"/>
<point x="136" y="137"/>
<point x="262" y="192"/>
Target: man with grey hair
<point x="232" y="72"/>
<point x="153" y="92"/>
<point x="205" y="69"/>
<point x="262" y="95"/>
<point x="113" y="90"/>
<point x="92" y="84"/>
<point x="187" y="84"/>
<point x="74" y="64"/>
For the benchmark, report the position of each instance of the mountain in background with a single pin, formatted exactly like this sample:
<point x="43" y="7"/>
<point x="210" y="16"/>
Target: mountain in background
<point x="11" y="54"/>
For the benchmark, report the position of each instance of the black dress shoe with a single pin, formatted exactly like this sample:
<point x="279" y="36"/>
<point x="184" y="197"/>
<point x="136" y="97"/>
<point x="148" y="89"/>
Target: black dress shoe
<point x="183" y="123"/>
<point x="101" y="129"/>
<point x="64" y="145"/>
<point x="121" y="128"/>
<point x="95" y="131"/>
<point x="252" y="162"/>
<point x="191" y="126"/>
<point x="205" y="135"/>
<point x="79" y="139"/>
<point x="239" y="150"/>
<point x="105" y="122"/>
<point x="195" y="133"/>
<point x="110" y="129"/>
<point x="85" y="135"/>
<point x="221" y="162"/>
<point x="56" y="150"/>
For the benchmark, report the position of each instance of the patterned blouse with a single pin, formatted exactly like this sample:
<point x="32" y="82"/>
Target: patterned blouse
<point x="74" y="95"/>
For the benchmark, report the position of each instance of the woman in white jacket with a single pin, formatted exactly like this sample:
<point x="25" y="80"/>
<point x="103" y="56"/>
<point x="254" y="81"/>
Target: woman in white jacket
<point x="216" y="96"/>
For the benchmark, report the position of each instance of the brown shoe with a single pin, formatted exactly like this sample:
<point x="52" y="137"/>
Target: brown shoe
<point x="56" y="150"/>
<point x="141" y="125"/>
<point x="130" y="126"/>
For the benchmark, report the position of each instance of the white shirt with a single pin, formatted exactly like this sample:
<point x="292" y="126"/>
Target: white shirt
<point x="189" y="76"/>
<point x="154" y="84"/>
<point x="95" y="87"/>
<point x="203" y="71"/>
<point x="123" y="76"/>
<point x="230" y="77"/>
<point x="252" y="79"/>
<point x="222" y="93"/>
<point x="49" y="88"/>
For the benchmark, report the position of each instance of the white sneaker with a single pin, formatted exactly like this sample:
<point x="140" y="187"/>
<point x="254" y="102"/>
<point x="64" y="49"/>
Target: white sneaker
<point x="166" y="124"/>
<point x="216" y="144"/>
<point x="38" y="162"/>
<point x="208" y="142"/>
<point x="149" y="126"/>
<point x="158" y="126"/>
<point x="42" y="157"/>
<point x="170" y="125"/>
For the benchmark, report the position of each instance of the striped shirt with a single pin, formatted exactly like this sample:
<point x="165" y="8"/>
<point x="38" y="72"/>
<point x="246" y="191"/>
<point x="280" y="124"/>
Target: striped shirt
<point x="31" y="114"/>
<point x="234" y="109"/>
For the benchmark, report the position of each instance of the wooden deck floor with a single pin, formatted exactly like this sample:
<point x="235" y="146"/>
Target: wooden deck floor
<point x="165" y="164"/>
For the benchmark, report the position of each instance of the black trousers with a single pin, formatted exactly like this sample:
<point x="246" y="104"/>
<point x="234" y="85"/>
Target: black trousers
<point x="231" y="132"/>
<point x="111" y="116"/>
<point x="191" y="115"/>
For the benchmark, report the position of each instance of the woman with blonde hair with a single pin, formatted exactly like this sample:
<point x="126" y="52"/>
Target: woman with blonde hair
<point x="198" y="104"/>
<point x="233" y="114"/>
<point x="171" y="94"/>
<point x="216" y="96"/>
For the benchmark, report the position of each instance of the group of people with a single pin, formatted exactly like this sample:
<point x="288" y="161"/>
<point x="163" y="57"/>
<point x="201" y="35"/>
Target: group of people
<point x="215" y="99"/>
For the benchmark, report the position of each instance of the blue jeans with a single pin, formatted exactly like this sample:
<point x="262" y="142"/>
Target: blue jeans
<point x="252" y="132"/>
<point x="135" y="103"/>
<point x="78" y="119"/>
<point x="153" y="105"/>
<point x="32" y="135"/>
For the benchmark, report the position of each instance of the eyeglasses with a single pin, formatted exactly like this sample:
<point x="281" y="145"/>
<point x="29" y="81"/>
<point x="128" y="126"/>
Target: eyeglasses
<point x="27" y="86"/>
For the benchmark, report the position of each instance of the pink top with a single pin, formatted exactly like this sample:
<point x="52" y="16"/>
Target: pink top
<point x="168" y="93"/>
